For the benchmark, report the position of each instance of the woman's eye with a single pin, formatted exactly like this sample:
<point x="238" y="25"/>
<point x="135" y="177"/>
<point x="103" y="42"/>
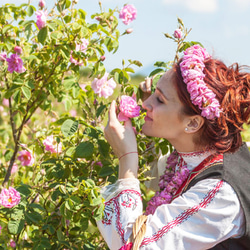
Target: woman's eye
<point x="159" y="100"/>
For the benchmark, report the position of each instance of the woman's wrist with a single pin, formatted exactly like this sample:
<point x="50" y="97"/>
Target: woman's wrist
<point x="128" y="165"/>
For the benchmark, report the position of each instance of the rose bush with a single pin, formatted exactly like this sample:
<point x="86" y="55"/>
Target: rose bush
<point x="55" y="92"/>
<point x="53" y="153"/>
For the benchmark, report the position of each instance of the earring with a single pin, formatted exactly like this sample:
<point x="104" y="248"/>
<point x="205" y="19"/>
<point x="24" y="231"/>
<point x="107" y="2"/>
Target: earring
<point x="186" y="129"/>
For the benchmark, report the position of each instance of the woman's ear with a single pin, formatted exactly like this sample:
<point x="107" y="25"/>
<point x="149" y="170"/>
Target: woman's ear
<point x="194" y="124"/>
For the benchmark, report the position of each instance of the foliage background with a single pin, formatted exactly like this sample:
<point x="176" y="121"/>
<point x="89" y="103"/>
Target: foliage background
<point x="61" y="192"/>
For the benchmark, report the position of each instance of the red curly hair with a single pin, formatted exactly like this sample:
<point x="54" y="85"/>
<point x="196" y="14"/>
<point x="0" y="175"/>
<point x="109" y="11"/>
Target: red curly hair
<point x="232" y="88"/>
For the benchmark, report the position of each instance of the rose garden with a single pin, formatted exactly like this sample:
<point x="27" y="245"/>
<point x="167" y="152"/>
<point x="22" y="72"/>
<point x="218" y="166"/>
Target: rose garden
<point x="54" y="97"/>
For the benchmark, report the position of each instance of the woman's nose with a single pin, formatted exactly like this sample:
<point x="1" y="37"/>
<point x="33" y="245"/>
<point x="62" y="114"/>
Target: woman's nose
<point x="147" y="104"/>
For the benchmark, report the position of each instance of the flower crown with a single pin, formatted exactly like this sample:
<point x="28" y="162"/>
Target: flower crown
<point x="192" y="66"/>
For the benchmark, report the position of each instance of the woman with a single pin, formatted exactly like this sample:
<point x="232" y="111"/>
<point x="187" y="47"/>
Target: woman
<point x="199" y="106"/>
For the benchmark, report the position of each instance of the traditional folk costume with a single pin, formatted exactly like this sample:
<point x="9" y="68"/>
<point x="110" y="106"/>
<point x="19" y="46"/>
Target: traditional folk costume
<point x="211" y="209"/>
<point x="204" y="197"/>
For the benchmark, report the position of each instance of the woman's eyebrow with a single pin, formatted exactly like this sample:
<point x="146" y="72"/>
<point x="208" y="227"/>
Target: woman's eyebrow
<point x="162" y="93"/>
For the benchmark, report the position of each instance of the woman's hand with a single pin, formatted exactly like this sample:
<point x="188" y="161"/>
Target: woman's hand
<point x="146" y="88"/>
<point x="123" y="141"/>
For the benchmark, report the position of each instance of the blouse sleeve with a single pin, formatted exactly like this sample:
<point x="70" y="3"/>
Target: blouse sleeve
<point x="202" y="217"/>
<point x="123" y="204"/>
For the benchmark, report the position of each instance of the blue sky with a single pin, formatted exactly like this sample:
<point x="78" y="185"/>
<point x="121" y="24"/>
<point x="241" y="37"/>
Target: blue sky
<point x="222" y="26"/>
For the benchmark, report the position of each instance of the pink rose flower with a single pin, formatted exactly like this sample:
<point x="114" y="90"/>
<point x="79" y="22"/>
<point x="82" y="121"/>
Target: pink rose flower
<point x="128" y="13"/>
<point x="41" y="3"/>
<point x="9" y="197"/>
<point x="18" y="50"/>
<point x="3" y="56"/>
<point x="51" y="145"/>
<point x="15" y="63"/>
<point x="128" y="108"/>
<point x="14" y="168"/>
<point x="178" y="34"/>
<point x="83" y="87"/>
<point x="83" y="45"/>
<point x="12" y="243"/>
<point x="0" y="229"/>
<point x="41" y="18"/>
<point x="104" y="86"/>
<point x="128" y="31"/>
<point x="79" y="47"/>
<point x="5" y="102"/>
<point x="75" y="61"/>
<point x="26" y="158"/>
<point x="102" y="58"/>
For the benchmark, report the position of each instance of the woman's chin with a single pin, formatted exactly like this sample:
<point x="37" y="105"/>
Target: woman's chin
<point x="145" y="130"/>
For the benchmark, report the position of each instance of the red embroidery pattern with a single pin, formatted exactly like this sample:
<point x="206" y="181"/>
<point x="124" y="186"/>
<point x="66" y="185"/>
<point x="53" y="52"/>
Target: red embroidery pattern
<point x="112" y="207"/>
<point x="129" y="201"/>
<point x="192" y="154"/>
<point x="108" y="214"/>
<point x="119" y="228"/>
<point x="183" y="216"/>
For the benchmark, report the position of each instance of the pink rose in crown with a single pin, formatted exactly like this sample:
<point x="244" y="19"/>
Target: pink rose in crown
<point x="198" y="51"/>
<point x="51" y="145"/>
<point x="128" y="108"/>
<point x="15" y="63"/>
<point x="104" y="87"/>
<point x="9" y="197"/>
<point x="128" y="13"/>
<point x="41" y="18"/>
<point x="26" y="158"/>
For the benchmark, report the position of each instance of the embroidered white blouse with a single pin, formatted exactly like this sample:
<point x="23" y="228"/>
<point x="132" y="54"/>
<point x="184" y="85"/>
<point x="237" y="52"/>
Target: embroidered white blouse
<point x="208" y="213"/>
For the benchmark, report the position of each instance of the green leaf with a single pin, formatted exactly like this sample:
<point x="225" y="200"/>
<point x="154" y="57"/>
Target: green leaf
<point x="100" y="109"/>
<point x="30" y="10"/>
<point x="26" y="91"/>
<point x="24" y="189"/>
<point x="135" y="62"/>
<point x="69" y="82"/>
<point x="156" y="71"/>
<point x="8" y="154"/>
<point x="17" y="96"/>
<point x="84" y="150"/>
<point x="59" y="235"/>
<point x="98" y="212"/>
<point x="84" y="222"/>
<point x="70" y="151"/>
<point x="129" y="70"/>
<point x="34" y="217"/>
<point x="42" y="35"/>
<point x="15" y="226"/>
<point x="38" y="206"/>
<point x="106" y="171"/>
<point x="67" y="3"/>
<point x="69" y="127"/>
<point x="82" y="13"/>
<point x="103" y="147"/>
<point x="56" y="35"/>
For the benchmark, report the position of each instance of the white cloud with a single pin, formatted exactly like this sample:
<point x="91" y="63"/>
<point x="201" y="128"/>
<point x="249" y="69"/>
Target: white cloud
<point x="204" y="6"/>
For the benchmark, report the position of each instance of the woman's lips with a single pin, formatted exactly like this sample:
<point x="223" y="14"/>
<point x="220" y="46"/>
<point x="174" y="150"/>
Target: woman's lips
<point x="147" y="118"/>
